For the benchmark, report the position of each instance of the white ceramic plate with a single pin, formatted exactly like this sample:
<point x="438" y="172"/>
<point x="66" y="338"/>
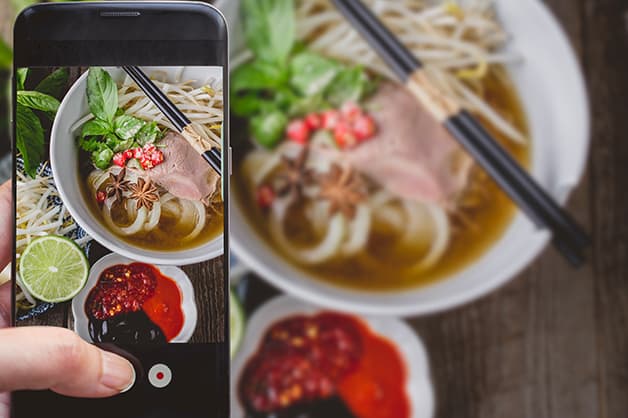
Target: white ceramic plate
<point x="551" y="86"/>
<point x="418" y="387"/>
<point x="188" y="304"/>
<point x="64" y="162"/>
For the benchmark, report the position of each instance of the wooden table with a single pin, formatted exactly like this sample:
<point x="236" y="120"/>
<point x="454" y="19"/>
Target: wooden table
<point x="554" y="342"/>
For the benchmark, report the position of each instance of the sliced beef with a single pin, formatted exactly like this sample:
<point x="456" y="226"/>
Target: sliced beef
<point x="412" y="155"/>
<point x="184" y="173"/>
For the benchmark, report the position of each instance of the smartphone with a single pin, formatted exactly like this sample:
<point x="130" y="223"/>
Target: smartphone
<point x="121" y="230"/>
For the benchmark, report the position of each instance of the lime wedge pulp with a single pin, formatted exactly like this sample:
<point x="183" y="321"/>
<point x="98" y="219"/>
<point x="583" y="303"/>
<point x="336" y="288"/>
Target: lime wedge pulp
<point x="236" y="323"/>
<point x="53" y="268"/>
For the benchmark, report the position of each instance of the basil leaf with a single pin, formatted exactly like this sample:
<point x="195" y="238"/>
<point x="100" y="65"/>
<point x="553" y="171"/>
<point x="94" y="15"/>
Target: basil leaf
<point x="102" y="94"/>
<point x="312" y="73"/>
<point x="96" y="127"/>
<point x="270" y="28"/>
<point x="257" y="75"/>
<point x="123" y="145"/>
<point x="248" y="104"/>
<point x="39" y="101"/>
<point x="126" y="126"/>
<point x="102" y="158"/>
<point x="29" y="138"/>
<point x="306" y="105"/>
<point x="55" y="83"/>
<point x="91" y="144"/>
<point x="269" y="128"/>
<point x="20" y="80"/>
<point x="6" y="55"/>
<point x="148" y="134"/>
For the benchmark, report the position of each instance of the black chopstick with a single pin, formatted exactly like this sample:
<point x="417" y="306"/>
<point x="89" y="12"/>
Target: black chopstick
<point x="568" y="237"/>
<point x="178" y="118"/>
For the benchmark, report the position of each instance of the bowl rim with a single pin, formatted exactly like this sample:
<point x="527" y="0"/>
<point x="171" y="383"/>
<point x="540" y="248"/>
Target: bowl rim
<point x="149" y="256"/>
<point x="536" y="243"/>
<point x="188" y="300"/>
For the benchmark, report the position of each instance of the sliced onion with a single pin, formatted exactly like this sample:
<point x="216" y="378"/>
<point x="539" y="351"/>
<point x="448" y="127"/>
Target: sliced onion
<point x="358" y="232"/>
<point x="153" y="217"/>
<point x="132" y="229"/>
<point x="201" y="220"/>
<point x="325" y="250"/>
<point x="440" y="240"/>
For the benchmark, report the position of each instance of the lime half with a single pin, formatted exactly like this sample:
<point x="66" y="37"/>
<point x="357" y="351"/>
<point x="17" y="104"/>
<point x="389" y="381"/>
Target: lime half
<point x="53" y="268"/>
<point x="236" y="323"/>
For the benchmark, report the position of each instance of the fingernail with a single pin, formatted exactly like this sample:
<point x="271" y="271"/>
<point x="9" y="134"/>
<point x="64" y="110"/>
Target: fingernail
<point x="117" y="372"/>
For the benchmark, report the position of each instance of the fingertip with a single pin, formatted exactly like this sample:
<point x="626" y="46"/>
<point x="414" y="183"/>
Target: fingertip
<point x="118" y="374"/>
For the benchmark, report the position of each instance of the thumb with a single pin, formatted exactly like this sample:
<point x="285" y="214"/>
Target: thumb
<point x="36" y="358"/>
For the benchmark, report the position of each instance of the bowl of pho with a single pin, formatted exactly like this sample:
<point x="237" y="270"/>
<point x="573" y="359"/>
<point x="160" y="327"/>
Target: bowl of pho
<point x="348" y="194"/>
<point x="128" y="178"/>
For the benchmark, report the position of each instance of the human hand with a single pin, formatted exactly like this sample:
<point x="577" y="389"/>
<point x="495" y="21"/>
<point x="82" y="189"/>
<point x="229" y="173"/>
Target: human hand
<point x="37" y="358"/>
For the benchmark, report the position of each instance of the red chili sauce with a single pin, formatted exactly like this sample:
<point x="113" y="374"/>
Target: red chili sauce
<point x="124" y="289"/>
<point x="303" y="360"/>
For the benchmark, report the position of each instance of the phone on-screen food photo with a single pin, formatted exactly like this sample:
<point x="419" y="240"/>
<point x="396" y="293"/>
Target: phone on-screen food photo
<point x="121" y="228"/>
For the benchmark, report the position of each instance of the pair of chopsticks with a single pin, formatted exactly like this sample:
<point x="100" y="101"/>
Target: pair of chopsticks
<point x="176" y="116"/>
<point x="568" y="237"/>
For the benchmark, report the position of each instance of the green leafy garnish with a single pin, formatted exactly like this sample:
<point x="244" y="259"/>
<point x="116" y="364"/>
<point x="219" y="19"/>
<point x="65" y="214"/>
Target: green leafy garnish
<point x="39" y="101"/>
<point x="102" y="94"/>
<point x="55" y="83"/>
<point x="285" y="80"/>
<point x="312" y="73"/>
<point x="111" y="131"/>
<point x="270" y="29"/>
<point x="6" y="55"/>
<point x="29" y="131"/>
<point x="29" y="138"/>
<point x="268" y="128"/>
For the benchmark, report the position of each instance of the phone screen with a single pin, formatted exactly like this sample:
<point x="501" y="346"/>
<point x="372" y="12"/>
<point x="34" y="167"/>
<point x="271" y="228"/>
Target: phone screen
<point x="121" y="230"/>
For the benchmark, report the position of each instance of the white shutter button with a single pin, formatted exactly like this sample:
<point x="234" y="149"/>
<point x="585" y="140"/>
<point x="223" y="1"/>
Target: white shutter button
<point x="159" y="376"/>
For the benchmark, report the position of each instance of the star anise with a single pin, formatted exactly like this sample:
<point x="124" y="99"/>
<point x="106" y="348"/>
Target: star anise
<point x="117" y="185"/>
<point x="144" y="193"/>
<point x="344" y="189"/>
<point x="295" y="176"/>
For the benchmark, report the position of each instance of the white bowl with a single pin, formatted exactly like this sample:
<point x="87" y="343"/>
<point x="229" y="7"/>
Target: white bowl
<point x="552" y="89"/>
<point x="418" y="386"/>
<point x="64" y="162"/>
<point x="188" y="303"/>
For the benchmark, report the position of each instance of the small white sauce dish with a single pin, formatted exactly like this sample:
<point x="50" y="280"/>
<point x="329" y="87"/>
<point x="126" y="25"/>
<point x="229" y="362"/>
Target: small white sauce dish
<point x="188" y="302"/>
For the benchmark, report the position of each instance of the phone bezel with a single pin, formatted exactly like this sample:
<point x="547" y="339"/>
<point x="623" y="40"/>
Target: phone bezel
<point x="128" y="33"/>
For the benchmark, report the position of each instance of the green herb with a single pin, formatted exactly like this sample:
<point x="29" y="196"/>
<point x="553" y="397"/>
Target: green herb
<point x="6" y="55"/>
<point x="111" y="131"/>
<point x="39" y="101"/>
<point x="268" y="128"/>
<point x="29" y="138"/>
<point x="312" y="73"/>
<point x="149" y="134"/>
<point x="350" y="85"/>
<point x="55" y="83"/>
<point x="22" y="73"/>
<point x="285" y="78"/>
<point x="102" y="94"/>
<point x="126" y="126"/>
<point x="270" y="28"/>
<point x="102" y="158"/>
